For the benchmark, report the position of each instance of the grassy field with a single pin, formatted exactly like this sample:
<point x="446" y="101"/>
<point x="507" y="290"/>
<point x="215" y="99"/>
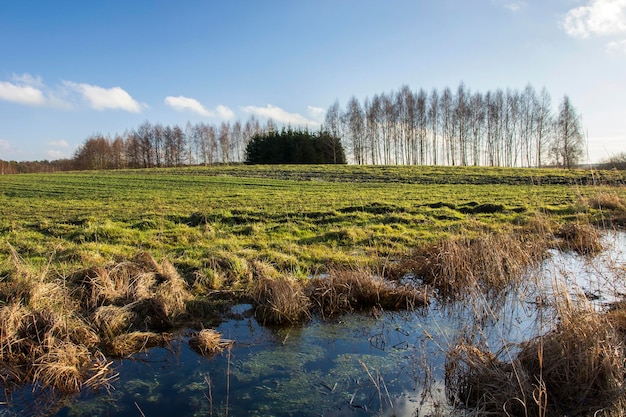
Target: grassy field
<point x="300" y="220"/>
<point x="95" y="265"/>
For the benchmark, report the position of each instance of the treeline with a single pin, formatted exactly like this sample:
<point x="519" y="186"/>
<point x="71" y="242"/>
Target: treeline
<point x="31" y="167"/>
<point x="297" y="146"/>
<point x="508" y="128"/>
<point x="497" y="128"/>
<point x="154" y="145"/>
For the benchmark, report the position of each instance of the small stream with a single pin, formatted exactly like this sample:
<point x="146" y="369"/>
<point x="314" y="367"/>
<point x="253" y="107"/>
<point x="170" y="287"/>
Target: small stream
<point x="370" y="363"/>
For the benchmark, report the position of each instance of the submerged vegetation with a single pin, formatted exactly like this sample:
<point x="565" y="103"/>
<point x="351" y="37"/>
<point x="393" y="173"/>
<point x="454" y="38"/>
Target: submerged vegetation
<point x="106" y="264"/>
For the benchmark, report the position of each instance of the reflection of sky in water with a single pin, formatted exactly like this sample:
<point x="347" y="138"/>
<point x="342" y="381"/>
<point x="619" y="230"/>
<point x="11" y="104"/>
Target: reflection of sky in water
<point x="354" y="365"/>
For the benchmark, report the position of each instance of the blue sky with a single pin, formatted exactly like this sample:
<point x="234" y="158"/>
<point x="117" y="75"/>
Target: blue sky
<point x="70" y="69"/>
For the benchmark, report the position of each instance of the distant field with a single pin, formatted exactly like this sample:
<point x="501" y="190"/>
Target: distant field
<point x="299" y="219"/>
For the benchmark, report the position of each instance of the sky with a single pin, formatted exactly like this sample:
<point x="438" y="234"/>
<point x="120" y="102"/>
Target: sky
<point x="72" y="69"/>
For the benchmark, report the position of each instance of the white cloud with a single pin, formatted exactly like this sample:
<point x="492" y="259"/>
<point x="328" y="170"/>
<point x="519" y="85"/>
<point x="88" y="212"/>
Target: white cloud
<point x="224" y="112"/>
<point x="59" y="143"/>
<point x="28" y="79"/>
<point x="22" y="94"/>
<point x="100" y="98"/>
<point x="31" y="91"/>
<point x="182" y="103"/>
<point x="279" y="115"/>
<point x="599" y="17"/>
<point x="316" y="113"/>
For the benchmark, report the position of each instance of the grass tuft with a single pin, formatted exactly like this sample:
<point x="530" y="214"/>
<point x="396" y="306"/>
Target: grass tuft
<point x="112" y="320"/>
<point x="279" y="301"/>
<point x="581" y="238"/>
<point x="488" y="262"/>
<point x="128" y="343"/>
<point x="345" y="291"/>
<point x="208" y="342"/>
<point x="575" y="369"/>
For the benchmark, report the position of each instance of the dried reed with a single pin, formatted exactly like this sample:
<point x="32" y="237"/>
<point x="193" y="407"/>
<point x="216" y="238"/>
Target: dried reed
<point x="279" y="301"/>
<point x="112" y="320"/>
<point x="63" y="367"/>
<point x="581" y="238"/>
<point x="488" y="262"/>
<point x="345" y="291"/>
<point x="576" y="369"/>
<point x="208" y="342"/>
<point x="129" y="343"/>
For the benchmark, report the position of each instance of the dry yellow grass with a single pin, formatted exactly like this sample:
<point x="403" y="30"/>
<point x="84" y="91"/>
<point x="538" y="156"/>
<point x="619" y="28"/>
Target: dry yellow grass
<point x="128" y="343"/>
<point x="576" y="369"/>
<point x="488" y="262"/>
<point x="46" y="338"/>
<point x="581" y="238"/>
<point x="112" y="320"/>
<point x="279" y="301"/>
<point x="208" y="342"/>
<point x="63" y="367"/>
<point x="345" y="291"/>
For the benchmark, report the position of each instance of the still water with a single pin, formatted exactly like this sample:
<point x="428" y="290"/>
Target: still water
<point x="371" y="363"/>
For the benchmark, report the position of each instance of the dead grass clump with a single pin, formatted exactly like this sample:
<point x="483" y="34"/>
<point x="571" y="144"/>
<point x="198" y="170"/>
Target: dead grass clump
<point x="488" y="261"/>
<point x="581" y="238"/>
<point x="51" y="295"/>
<point x="477" y="379"/>
<point x="12" y="322"/>
<point x="112" y="320"/>
<point x="345" y="291"/>
<point x="147" y="262"/>
<point x="576" y="369"/>
<point x="63" y="367"/>
<point x="172" y="292"/>
<point x="142" y="285"/>
<point x="208" y="342"/>
<point x="607" y="201"/>
<point x="279" y="301"/>
<point x="129" y="343"/>
<point x="67" y="367"/>
<point x="581" y="364"/>
<point x="155" y="290"/>
<point x="97" y="287"/>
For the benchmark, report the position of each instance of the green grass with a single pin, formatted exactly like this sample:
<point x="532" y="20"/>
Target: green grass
<point x="299" y="219"/>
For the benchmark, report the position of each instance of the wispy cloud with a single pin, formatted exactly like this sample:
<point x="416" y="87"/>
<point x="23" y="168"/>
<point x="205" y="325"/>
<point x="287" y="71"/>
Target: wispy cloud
<point x="23" y="89"/>
<point x="59" y="143"/>
<point x="22" y="94"/>
<point x="28" y="79"/>
<point x="617" y="47"/>
<point x="316" y="113"/>
<point x="598" y="17"/>
<point x="100" y="98"/>
<point x="224" y="112"/>
<point x="512" y="5"/>
<point x="182" y="103"/>
<point x="54" y="154"/>
<point x="279" y="115"/>
<point x="8" y="150"/>
<point x="29" y="90"/>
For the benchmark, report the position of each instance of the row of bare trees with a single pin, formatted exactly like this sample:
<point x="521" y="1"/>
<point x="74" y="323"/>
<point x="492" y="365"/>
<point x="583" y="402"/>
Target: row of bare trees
<point x="154" y="145"/>
<point x="498" y="128"/>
